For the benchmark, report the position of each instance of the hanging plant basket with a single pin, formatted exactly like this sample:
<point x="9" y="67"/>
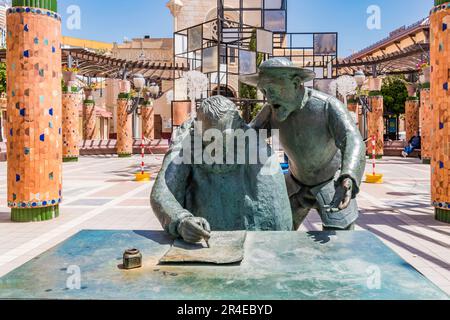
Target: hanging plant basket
<point x="375" y="84"/>
<point x="411" y="87"/>
<point x="426" y="75"/>
<point x="69" y="76"/>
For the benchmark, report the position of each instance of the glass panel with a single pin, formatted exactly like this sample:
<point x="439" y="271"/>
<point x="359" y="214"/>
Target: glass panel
<point x="195" y="38"/>
<point x="325" y="44"/>
<point x="230" y="35"/>
<point x="275" y="21"/>
<point x="264" y="40"/>
<point x="253" y="4"/>
<point x="180" y="44"/>
<point x="210" y="62"/>
<point x="247" y="62"/>
<point x="252" y="18"/>
<point x="274" y="4"/>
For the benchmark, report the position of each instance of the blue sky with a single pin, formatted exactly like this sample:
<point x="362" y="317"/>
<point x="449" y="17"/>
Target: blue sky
<point x="115" y="21"/>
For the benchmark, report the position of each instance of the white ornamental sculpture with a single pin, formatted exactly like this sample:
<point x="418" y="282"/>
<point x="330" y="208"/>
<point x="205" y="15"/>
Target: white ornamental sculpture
<point x="197" y="84"/>
<point x="345" y="86"/>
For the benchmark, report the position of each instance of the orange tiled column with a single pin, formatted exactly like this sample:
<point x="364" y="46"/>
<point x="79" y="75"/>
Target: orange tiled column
<point x="440" y="100"/>
<point x="71" y="104"/>
<point x="426" y="123"/>
<point x="124" y="122"/>
<point x="89" y="120"/>
<point x="148" y="121"/>
<point x="34" y="113"/>
<point x="375" y="125"/>
<point x="412" y="117"/>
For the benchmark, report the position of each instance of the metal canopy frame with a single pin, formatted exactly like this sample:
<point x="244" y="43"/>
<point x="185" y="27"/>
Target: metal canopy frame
<point x="96" y="65"/>
<point x="403" y="61"/>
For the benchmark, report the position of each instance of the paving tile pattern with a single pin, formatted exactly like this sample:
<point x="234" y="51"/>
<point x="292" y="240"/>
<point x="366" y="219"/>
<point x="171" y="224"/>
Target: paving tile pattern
<point x="100" y="193"/>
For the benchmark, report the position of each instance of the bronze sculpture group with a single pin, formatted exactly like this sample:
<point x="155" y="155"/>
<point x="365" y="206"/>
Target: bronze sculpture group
<point x="326" y="154"/>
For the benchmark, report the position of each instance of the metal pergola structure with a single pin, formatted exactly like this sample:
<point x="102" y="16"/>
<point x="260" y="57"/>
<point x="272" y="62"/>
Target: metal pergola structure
<point x="93" y="65"/>
<point x="404" y="61"/>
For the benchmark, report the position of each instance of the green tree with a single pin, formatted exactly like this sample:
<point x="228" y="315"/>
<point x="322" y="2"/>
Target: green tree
<point x="249" y="92"/>
<point x="2" y="78"/>
<point x="394" y="94"/>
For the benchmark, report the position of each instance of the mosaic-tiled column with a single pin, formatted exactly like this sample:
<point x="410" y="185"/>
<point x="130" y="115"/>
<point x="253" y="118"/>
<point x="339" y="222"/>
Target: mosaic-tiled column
<point x="412" y="117"/>
<point x="89" y="120"/>
<point x="440" y="100"/>
<point x="124" y="129"/>
<point x="71" y="104"/>
<point x="426" y="123"/>
<point x="148" y="121"/>
<point x="375" y="125"/>
<point x="34" y="111"/>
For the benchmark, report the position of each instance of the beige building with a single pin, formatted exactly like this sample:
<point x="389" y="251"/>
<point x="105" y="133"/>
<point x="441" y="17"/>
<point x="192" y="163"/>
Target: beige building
<point x="155" y="50"/>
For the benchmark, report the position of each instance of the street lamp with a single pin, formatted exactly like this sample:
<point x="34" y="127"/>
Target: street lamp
<point x="360" y="78"/>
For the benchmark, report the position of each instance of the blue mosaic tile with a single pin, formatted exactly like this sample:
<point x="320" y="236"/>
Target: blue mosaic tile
<point x="22" y="112"/>
<point x="53" y="49"/>
<point x="36" y="40"/>
<point x="50" y="112"/>
<point x="25" y="28"/>
<point x="27" y="151"/>
<point x="42" y="137"/>
<point x="441" y="165"/>
<point x="26" y="54"/>
<point x="17" y="178"/>
<point x="441" y="125"/>
<point x="444" y="26"/>
<point x="445" y="86"/>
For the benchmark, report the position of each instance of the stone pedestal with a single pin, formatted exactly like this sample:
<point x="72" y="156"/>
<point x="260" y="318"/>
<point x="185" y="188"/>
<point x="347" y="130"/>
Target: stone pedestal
<point x="124" y="129"/>
<point x="148" y="122"/>
<point x="89" y="120"/>
<point x="34" y="130"/>
<point x="71" y="104"/>
<point x="375" y="125"/>
<point x="440" y="100"/>
<point x="412" y="117"/>
<point x="426" y="125"/>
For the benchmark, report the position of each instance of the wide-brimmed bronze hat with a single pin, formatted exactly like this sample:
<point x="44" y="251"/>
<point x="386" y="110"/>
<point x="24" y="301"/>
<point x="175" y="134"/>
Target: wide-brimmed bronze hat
<point x="277" y="66"/>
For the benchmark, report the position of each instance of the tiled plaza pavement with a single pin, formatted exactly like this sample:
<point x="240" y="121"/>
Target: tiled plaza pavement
<point x="99" y="194"/>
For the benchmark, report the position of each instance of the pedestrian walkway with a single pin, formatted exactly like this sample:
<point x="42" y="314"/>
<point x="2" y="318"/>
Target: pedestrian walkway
<point x="99" y="193"/>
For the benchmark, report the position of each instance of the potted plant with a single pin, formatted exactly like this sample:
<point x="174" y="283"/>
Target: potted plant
<point x="425" y="69"/>
<point x="70" y="74"/>
<point x="411" y="87"/>
<point x="88" y="91"/>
